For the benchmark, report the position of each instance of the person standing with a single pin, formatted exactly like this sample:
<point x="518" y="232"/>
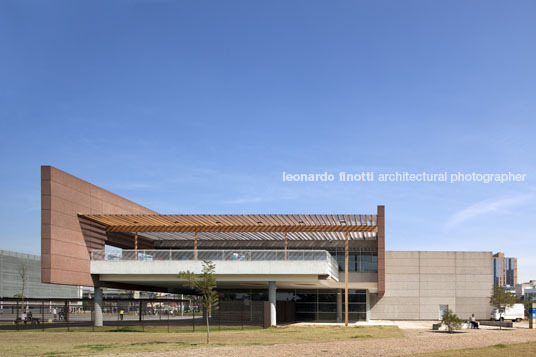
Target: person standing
<point x="55" y="313"/>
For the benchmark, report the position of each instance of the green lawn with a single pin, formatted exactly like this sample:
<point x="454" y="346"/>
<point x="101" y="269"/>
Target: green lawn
<point x="54" y="342"/>
<point x="501" y="350"/>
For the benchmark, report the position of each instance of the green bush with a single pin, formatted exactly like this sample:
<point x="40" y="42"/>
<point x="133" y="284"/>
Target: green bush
<point x="451" y="320"/>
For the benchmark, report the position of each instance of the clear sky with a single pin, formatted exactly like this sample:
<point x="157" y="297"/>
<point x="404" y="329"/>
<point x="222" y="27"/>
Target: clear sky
<point x="199" y="106"/>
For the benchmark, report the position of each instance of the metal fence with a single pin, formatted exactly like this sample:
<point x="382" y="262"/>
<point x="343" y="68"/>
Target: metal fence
<point x="16" y="314"/>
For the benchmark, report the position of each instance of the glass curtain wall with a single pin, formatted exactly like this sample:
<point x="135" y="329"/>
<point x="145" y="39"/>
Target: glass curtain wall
<point x="321" y="304"/>
<point x="311" y="304"/>
<point x="360" y="260"/>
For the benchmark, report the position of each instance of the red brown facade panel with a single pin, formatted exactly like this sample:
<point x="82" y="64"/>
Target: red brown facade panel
<point x="64" y="245"/>
<point x="381" y="250"/>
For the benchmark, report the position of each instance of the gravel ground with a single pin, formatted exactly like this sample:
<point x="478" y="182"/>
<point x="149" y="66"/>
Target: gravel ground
<point x="418" y="340"/>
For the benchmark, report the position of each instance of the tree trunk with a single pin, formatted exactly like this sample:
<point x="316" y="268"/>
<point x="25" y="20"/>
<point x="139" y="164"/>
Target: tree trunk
<point x="208" y="328"/>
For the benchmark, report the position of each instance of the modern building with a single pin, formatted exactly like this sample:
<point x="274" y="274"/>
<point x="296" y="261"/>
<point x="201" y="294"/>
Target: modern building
<point x="525" y="288"/>
<point x="307" y="267"/>
<point x="20" y="273"/>
<point x="530" y="293"/>
<point x="504" y="271"/>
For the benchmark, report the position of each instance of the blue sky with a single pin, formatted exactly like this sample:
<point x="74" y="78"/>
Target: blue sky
<point x="199" y="106"/>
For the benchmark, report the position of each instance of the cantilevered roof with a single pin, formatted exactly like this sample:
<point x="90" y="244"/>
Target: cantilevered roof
<point x="248" y="223"/>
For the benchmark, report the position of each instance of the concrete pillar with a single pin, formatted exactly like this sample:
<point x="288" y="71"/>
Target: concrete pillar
<point x="339" y="305"/>
<point x="97" y="308"/>
<point x="272" y="299"/>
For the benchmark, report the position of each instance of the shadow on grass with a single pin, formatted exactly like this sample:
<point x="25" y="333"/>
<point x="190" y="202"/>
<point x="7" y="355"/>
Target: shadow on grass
<point x="156" y="343"/>
<point x="362" y="336"/>
<point x="96" y="348"/>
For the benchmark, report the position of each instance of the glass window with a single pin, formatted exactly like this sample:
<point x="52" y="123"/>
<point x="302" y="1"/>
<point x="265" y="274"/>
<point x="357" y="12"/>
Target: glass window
<point x="327" y="297"/>
<point x="356" y="308"/>
<point x="305" y="316"/>
<point x="340" y="260"/>
<point x="285" y="295"/>
<point x="358" y="260"/>
<point x="357" y="316"/>
<point x="306" y="307"/>
<point x="325" y="307"/>
<point x="322" y="316"/>
<point x="305" y="297"/>
<point x="257" y="295"/>
<point x="358" y="298"/>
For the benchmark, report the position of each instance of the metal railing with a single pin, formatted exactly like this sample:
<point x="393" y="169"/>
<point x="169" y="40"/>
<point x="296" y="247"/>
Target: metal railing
<point x="215" y="255"/>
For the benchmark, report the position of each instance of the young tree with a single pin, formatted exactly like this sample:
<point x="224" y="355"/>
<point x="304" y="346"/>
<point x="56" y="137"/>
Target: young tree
<point x="501" y="300"/>
<point x="23" y="272"/>
<point x="451" y="320"/>
<point x="205" y="285"/>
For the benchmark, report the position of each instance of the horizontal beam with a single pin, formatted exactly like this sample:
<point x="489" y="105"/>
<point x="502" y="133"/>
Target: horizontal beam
<point x="210" y="229"/>
<point x="236" y="223"/>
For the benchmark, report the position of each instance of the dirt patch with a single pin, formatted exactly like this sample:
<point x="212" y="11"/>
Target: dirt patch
<point x="417" y="341"/>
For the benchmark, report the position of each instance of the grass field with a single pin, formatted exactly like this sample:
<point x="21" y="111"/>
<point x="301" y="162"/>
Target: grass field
<point x="82" y="341"/>
<point x="521" y="349"/>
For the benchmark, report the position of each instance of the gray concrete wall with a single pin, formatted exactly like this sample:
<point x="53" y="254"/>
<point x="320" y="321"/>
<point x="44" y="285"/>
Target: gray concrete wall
<point x="11" y="264"/>
<point x="418" y="282"/>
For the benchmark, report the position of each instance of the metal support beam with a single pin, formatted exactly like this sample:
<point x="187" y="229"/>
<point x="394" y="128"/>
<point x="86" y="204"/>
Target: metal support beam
<point x="346" y="279"/>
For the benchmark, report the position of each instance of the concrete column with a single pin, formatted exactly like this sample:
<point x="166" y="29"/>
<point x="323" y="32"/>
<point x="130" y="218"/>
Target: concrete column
<point x="368" y="306"/>
<point x="339" y="305"/>
<point x="272" y="299"/>
<point x="97" y="308"/>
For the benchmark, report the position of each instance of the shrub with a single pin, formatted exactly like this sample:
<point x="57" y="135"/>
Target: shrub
<point x="451" y="320"/>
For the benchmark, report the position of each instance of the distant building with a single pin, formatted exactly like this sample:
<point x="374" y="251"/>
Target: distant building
<point x="14" y="267"/>
<point x="504" y="270"/>
<point x="530" y="293"/>
<point x="526" y="289"/>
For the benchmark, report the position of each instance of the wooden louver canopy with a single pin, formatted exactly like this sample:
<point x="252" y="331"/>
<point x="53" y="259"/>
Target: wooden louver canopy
<point x="236" y="223"/>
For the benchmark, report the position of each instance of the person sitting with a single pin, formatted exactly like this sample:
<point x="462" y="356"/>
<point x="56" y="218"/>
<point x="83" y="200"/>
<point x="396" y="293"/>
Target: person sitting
<point x="472" y="320"/>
